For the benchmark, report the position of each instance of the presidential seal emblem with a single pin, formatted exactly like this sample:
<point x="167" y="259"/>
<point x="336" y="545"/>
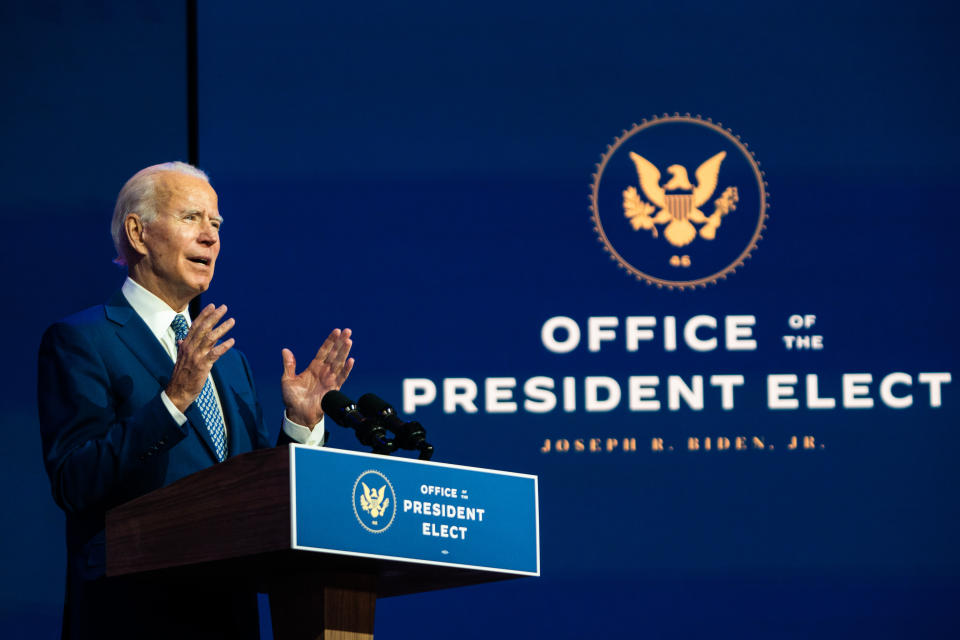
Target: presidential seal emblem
<point x="374" y="501"/>
<point x="665" y="228"/>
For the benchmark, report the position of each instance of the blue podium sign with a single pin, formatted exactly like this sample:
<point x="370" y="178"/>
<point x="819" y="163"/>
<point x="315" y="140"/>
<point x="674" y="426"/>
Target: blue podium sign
<point x="361" y="504"/>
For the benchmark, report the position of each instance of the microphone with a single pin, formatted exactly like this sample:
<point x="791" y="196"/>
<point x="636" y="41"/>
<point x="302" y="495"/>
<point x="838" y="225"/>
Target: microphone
<point x="409" y="435"/>
<point x="344" y="412"/>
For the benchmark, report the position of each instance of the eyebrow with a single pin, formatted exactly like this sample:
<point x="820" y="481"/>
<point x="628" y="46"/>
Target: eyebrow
<point x="216" y="217"/>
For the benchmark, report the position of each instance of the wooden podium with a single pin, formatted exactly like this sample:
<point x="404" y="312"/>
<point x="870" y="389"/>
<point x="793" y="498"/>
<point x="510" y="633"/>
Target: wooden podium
<point x="238" y="519"/>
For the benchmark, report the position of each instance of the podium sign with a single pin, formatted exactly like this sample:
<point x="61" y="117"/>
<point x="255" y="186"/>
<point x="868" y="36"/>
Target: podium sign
<point x="360" y="504"/>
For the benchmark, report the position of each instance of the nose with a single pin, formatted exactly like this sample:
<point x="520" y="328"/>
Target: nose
<point x="209" y="234"/>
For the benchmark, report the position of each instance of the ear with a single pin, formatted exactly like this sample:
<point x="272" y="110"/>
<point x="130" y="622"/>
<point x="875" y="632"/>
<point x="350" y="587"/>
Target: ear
<point x="134" y="228"/>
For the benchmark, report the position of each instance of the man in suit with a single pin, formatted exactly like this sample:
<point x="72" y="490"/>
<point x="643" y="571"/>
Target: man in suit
<point x="135" y="394"/>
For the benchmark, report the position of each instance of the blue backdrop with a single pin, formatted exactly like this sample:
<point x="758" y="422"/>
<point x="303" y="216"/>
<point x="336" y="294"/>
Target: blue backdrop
<point x="422" y="175"/>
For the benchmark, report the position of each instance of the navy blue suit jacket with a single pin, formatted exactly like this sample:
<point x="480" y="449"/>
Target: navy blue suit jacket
<point x="108" y="438"/>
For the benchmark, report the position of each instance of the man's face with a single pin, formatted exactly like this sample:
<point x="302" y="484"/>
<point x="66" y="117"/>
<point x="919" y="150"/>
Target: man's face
<point x="182" y="242"/>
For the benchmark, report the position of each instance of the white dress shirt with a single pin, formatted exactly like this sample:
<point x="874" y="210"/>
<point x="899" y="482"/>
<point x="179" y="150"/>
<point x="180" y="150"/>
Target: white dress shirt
<point x="158" y="317"/>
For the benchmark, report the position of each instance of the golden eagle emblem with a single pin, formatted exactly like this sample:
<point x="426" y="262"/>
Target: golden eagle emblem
<point x="678" y="200"/>
<point x="373" y="501"/>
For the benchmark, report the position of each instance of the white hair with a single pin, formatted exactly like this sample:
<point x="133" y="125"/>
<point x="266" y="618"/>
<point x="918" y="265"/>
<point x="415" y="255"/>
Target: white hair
<point x="139" y="195"/>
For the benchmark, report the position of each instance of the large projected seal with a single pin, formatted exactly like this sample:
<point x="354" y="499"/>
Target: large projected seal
<point x="692" y="226"/>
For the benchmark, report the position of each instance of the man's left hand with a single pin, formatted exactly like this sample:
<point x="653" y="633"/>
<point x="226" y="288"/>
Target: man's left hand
<point x="329" y="370"/>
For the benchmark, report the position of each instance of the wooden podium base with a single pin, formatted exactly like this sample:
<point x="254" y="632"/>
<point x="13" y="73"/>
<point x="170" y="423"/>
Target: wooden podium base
<point x="317" y="612"/>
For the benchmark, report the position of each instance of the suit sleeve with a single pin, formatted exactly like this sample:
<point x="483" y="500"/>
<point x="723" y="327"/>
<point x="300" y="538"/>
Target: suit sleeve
<point x="94" y="457"/>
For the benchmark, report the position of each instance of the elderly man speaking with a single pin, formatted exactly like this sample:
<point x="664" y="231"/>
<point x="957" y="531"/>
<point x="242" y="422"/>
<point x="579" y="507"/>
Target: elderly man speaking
<point x="135" y="394"/>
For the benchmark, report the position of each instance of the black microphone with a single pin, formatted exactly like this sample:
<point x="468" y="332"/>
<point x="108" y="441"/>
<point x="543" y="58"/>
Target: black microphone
<point x="409" y="435"/>
<point x="343" y="411"/>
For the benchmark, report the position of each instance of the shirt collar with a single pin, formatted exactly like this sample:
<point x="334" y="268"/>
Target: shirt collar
<point x="156" y="313"/>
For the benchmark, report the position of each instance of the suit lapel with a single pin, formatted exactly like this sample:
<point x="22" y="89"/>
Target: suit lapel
<point x="195" y="418"/>
<point x="136" y="335"/>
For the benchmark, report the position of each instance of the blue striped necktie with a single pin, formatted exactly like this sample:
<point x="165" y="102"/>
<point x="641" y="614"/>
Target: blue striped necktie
<point x="206" y="400"/>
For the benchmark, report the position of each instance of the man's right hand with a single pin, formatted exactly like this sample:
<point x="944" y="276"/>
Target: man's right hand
<point x="196" y="354"/>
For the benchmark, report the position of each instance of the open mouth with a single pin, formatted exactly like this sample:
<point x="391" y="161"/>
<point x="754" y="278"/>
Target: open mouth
<point x="203" y="261"/>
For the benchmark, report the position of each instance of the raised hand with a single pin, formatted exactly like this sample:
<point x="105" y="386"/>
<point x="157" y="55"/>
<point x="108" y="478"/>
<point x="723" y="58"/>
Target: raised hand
<point x="329" y="369"/>
<point x="196" y="354"/>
